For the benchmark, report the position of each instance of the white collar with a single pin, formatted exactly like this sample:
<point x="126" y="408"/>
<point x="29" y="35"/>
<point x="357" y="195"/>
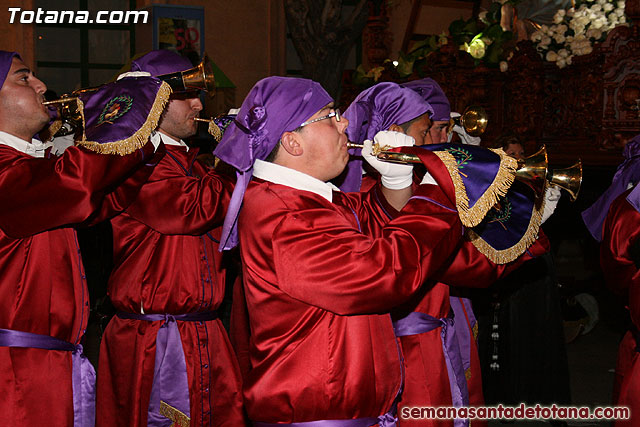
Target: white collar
<point x="167" y="140"/>
<point x="34" y="148"/>
<point x="293" y="178"/>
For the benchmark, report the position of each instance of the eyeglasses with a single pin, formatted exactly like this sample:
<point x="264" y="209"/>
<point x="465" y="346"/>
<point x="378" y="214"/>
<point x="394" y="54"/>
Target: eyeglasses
<point x="335" y="113"/>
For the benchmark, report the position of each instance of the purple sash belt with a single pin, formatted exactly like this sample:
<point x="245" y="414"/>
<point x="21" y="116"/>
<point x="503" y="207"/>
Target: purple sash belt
<point x="461" y="308"/>
<point x="170" y="387"/>
<point x="418" y="323"/>
<point x="386" y="420"/>
<point x="83" y="375"/>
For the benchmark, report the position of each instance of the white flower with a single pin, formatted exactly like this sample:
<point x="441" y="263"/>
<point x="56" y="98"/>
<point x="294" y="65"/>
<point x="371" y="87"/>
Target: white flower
<point x="544" y="29"/>
<point x="568" y="59"/>
<point x="601" y="2"/>
<point x="536" y="36"/>
<point x="503" y="66"/>
<point x="477" y="48"/>
<point x="583" y="21"/>
<point x="546" y="40"/>
<point x="561" y="63"/>
<point x="597" y="24"/>
<point x="559" y="38"/>
<point x="593" y="33"/>
<point x="551" y="56"/>
<point x="619" y="12"/>
<point x="563" y="53"/>
<point x="622" y="20"/>
<point x="607" y="7"/>
<point x="558" y="19"/>
<point x="561" y="29"/>
<point x="596" y="8"/>
<point x="620" y="4"/>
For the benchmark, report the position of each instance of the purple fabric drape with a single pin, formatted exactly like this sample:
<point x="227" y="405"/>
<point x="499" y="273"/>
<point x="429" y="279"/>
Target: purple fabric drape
<point x="463" y="333"/>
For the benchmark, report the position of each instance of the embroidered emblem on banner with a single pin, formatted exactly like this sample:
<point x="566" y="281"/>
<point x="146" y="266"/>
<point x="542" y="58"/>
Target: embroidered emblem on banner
<point x="179" y="418"/>
<point x="500" y="213"/>
<point x="462" y="157"/>
<point x="115" y="109"/>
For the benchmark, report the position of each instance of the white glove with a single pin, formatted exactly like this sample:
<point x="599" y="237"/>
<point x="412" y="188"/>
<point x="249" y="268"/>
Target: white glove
<point x="61" y="143"/>
<point x="464" y="136"/>
<point x="394" y="176"/>
<point x="552" y="196"/>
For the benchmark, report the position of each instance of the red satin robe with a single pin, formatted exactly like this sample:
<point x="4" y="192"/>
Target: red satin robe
<point x="319" y="281"/>
<point x="165" y="260"/>
<point x="427" y="379"/>
<point x="42" y="283"/>
<point x="621" y="230"/>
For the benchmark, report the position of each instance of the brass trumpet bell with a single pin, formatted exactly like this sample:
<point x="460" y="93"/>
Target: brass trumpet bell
<point x="474" y="120"/>
<point x="199" y="78"/>
<point x="533" y="171"/>
<point x="569" y="179"/>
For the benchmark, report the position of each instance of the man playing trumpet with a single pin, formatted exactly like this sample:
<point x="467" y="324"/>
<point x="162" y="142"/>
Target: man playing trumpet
<point x="322" y="268"/>
<point x="165" y="356"/>
<point x="44" y="301"/>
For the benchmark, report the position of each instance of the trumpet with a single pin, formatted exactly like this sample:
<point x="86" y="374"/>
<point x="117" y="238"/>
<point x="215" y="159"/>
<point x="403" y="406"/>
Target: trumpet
<point x="533" y="171"/>
<point x="200" y="77"/>
<point x="474" y="120"/>
<point x="68" y="112"/>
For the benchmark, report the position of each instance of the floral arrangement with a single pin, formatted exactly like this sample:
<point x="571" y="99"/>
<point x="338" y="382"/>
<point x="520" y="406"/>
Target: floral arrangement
<point x="573" y="33"/>
<point x="483" y="38"/>
<point x="574" y="30"/>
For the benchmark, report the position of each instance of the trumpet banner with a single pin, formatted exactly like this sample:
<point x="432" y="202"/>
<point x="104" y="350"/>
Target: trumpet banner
<point x="502" y="216"/>
<point x="511" y="226"/>
<point x="119" y="117"/>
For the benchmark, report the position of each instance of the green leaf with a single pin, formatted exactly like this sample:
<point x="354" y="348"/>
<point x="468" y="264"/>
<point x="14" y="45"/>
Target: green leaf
<point x="457" y="27"/>
<point x="494" y="31"/>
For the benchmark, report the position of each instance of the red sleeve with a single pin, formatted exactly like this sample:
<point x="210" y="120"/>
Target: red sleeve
<point x="178" y="204"/>
<point x="41" y="194"/>
<point x="124" y="194"/>
<point x="621" y="230"/>
<point x="361" y="274"/>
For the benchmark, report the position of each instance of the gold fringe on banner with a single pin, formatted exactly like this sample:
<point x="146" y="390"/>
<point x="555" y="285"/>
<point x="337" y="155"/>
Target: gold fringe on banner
<point x="138" y="139"/>
<point x="472" y="216"/>
<point x="505" y="256"/>
<point x="215" y="131"/>
<point x="48" y="133"/>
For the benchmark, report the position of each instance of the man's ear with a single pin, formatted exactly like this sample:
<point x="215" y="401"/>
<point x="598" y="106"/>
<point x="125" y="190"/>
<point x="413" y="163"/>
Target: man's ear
<point x="291" y="144"/>
<point x="394" y="127"/>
